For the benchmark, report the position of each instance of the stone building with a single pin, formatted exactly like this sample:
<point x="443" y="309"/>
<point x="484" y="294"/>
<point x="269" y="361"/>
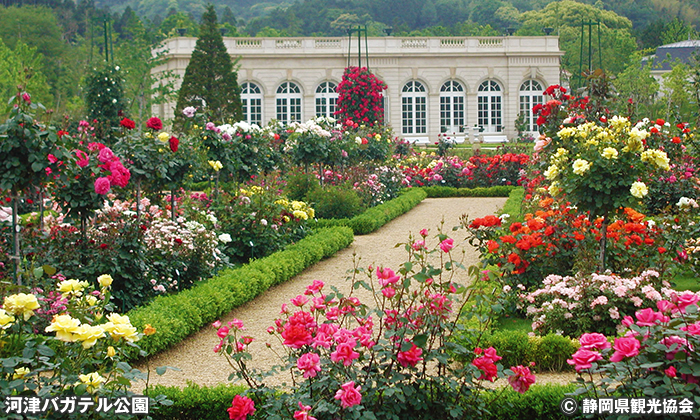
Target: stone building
<point x="435" y="85"/>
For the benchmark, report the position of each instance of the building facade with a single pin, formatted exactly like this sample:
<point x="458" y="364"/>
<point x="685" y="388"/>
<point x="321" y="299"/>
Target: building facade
<point x="434" y="85"/>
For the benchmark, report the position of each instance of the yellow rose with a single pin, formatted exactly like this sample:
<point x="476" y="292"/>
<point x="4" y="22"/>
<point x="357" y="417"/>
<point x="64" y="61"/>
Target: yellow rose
<point x="5" y="319"/>
<point x="566" y="133"/>
<point x="92" y="380"/>
<point x="639" y="189"/>
<point x="581" y="166"/>
<point x="111" y="352"/>
<point x="554" y="189"/>
<point x="20" y="373"/>
<point x="300" y="214"/>
<point x="64" y="326"/>
<point x="216" y="165"/>
<point x="105" y="280"/>
<point x="551" y="172"/>
<point x="21" y="304"/>
<point x="88" y="335"/>
<point x="91" y="300"/>
<point x="119" y="326"/>
<point x="72" y="287"/>
<point x="164" y="137"/>
<point x="609" y="153"/>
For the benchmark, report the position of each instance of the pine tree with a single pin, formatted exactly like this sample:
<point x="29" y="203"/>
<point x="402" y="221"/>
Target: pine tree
<point x="209" y="77"/>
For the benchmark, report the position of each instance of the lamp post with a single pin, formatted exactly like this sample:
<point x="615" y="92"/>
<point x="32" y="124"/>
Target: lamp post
<point x="360" y="30"/>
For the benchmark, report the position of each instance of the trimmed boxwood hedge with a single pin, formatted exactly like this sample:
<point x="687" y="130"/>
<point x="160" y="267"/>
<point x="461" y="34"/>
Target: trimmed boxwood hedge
<point x="443" y="192"/>
<point x="179" y="315"/>
<point x="540" y="402"/>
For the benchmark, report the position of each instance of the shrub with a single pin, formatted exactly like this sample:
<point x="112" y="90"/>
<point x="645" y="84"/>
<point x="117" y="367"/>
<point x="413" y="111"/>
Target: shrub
<point x="552" y="351"/>
<point x="299" y="185"/>
<point x="333" y="202"/>
<point x="231" y="288"/>
<point x="195" y="402"/>
<point x="374" y="360"/>
<point x="514" y="346"/>
<point x="655" y="358"/>
<point x="541" y="402"/>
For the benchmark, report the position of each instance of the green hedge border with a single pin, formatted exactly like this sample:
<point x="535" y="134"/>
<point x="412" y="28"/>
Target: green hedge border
<point x="177" y="316"/>
<point x="540" y="402"/>
<point x="444" y="192"/>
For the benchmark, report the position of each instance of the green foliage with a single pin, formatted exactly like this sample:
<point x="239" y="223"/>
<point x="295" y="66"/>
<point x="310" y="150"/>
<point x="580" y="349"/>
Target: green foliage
<point x="300" y="184"/>
<point x="22" y="67"/>
<point x="378" y="216"/>
<point x="177" y="316"/>
<point x="195" y="402"/>
<point x="440" y="192"/>
<point x="552" y="351"/>
<point x="540" y="402"/>
<point x="335" y="202"/>
<point x="104" y="97"/>
<point x="636" y="83"/>
<point x="514" y="346"/>
<point x="210" y="78"/>
<point x="24" y="146"/>
<point x="565" y="18"/>
<point x="513" y="206"/>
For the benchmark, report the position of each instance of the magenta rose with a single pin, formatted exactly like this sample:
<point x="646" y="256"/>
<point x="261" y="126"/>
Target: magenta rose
<point x="349" y="395"/>
<point x="625" y="347"/>
<point x="685" y="300"/>
<point x="521" y="379"/>
<point x="410" y="357"/>
<point x="583" y="359"/>
<point x="310" y="363"/>
<point x="102" y="185"/>
<point x="647" y="317"/>
<point x="594" y="341"/>
<point x="296" y="335"/>
<point x="240" y="408"/>
<point x="106" y="155"/>
<point x="447" y="245"/>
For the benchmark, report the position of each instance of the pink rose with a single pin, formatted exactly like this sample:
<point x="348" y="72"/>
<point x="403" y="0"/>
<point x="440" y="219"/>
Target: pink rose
<point x="83" y="158"/>
<point x="240" y="408"/>
<point x="106" y="155"/>
<point x="692" y="329"/>
<point x="424" y="232"/>
<point x="418" y="245"/>
<point x="594" y="341"/>
<point x="315" y="287"/>
<point x="222" y="332"/>
<point x="296" y="335"/>
<point x="310" y="363"/>
<point x="389" y="292"/>
<point x="102" y="185"/>
<point x="670" y="372"/>
<point x="447" y="245"/>
<point x="349" y="395"/>
<point x="625" y="347"/>
<point x="685" y="300"/>
<point x="647" y="317"/>
<point x="299" y="301"/>
<point x="521" y="379"/>
<point x="583" y="358"/>
<point x="488" y="369"/>
<point x="410" y="357"/>
<point x="303" y="412"/>
<point x="386" y="276"/>
<point x="345" y="352"/>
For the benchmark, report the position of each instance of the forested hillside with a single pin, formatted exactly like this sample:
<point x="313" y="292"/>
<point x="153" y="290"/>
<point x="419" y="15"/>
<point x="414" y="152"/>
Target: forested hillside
<point x="62" y="41"/>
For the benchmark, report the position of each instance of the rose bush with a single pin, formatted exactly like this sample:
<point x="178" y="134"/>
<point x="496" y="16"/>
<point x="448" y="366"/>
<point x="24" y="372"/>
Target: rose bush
<point x="391" y="359"/>
<point x="80" y="352"/>
<point x="656" y="357"/>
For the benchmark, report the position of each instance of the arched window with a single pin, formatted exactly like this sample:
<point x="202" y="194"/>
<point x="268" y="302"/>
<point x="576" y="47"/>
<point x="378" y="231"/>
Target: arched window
<point x="288" y="103"/>
<point x="251" y="97"/>
<point x="490" y="106"/>
<point x="326" y="99"/>
<point x="530" y="95"/>
<point x="451" y="107"/>
<point x="413" y="108"/>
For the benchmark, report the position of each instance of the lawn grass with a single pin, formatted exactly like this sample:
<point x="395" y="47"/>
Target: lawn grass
<point x="512" y="323"/>
<point x="686" y="281"/>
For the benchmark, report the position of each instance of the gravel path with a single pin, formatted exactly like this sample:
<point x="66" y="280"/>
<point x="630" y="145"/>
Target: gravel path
<point x="199" y="364"/>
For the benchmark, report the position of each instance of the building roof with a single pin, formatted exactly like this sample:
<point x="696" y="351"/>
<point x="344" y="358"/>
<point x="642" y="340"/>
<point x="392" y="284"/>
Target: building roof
<point x="669" y="53"/>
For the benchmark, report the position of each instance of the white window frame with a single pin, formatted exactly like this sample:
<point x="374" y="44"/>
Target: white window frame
<point x="531" y="94"/>
<point x="252" y="100"/>
<point x="490" y="106"/>
<point x="288" y="103"/>
<point x="326" y="99"/>
<point x="414" y="110"/>
<point x="452" y="108"/>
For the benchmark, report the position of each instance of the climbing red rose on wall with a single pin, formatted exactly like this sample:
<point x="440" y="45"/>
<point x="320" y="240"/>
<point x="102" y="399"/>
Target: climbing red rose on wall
<point x="360" y="96"/>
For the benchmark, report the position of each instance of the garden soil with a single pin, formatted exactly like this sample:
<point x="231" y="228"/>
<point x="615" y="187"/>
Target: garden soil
<point x="195" y="358"/>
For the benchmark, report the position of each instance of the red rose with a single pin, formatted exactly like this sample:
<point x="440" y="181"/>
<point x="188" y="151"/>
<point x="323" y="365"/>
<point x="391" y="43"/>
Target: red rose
<point x="154" y="123"/>
<point x="127" y="123"/>
<point x="174" y="143"/>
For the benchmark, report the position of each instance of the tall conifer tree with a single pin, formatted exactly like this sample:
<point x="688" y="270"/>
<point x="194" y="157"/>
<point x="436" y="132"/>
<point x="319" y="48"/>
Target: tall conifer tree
<point x="210" y="77"/>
